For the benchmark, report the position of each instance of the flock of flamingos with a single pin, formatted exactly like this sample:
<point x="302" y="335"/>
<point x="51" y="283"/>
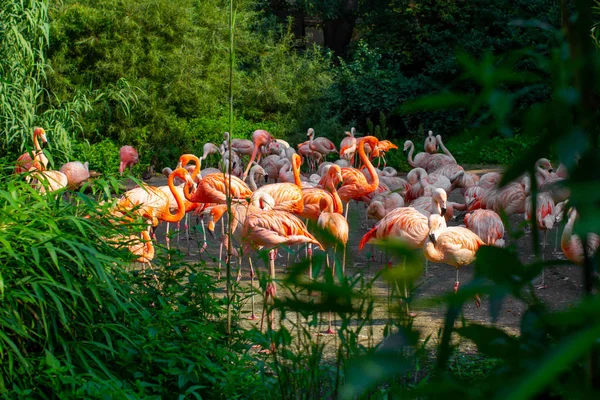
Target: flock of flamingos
<point x="271" y="197"/>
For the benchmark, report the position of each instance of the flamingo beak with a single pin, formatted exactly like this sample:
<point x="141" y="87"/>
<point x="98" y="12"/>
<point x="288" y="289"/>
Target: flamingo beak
<point x="432" y="238"/>
<point x="211" y="227"/>
<point x="266" y="176"/>
<point x="550" y="170"/>
<point x="443" y="211"/>
<point x="179" y="165"/>
<point x="45" y="140"/>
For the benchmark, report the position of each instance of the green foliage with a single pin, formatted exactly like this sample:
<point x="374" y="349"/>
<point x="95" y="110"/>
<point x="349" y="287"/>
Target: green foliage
<point x="79" y="320"/>
<point x="174" y="55"/>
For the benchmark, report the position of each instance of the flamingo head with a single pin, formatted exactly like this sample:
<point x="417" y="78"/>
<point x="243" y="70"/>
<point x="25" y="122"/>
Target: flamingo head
<point x="310" y="132"/>
<point x="184" y="175"/>
<point x="185" y="159"/>
<point x="545" y="164"/>
<point x="372" y="141"/>
<point x="41" y="133"/>
<point x="407" y="145"/>
<point x="440" y="198"/>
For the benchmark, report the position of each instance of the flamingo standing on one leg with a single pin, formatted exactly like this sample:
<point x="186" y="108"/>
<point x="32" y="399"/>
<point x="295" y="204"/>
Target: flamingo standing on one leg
<point x="454" y="246"/>
<point x="39" y="160"/>
<point x="129" y="157"/>
<point x="260" y="138"/>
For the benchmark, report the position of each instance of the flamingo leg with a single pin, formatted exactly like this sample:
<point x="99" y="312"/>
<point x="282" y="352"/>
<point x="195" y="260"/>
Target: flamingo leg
<point x="543" y="285"/>
<point x="221" y="247"/>
<point x="329" y="330"/>
<point x="252" y="316"/>
<point x="457" y="282"/>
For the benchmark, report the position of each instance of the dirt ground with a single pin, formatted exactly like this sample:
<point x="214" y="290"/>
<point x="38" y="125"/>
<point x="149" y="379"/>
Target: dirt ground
<point x="564" y="284"/>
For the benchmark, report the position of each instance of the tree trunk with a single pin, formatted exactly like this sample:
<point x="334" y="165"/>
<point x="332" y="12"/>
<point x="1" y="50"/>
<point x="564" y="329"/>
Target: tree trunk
<point x="337" y="32"/>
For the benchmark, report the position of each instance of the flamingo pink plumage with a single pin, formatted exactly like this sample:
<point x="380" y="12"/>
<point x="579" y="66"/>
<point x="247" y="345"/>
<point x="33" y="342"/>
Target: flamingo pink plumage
<point x="39" y="161"/>
<point x="260" y="137"/>
<point x="430" y="143"/>
<point x="572" y="245"/>
<point x="488" y="225"/>
<point x="76" y="173"/>
<point x="348" y="145"/>
<point x="129" y="157"/>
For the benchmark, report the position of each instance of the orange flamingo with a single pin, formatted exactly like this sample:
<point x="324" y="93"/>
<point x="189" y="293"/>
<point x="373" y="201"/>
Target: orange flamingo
<point x="488" y="225"/>
<point x="260" y="138"/>
<point x="311" y="197"/>
<point x="454" y="246"/>
<point x="213" y="187"/>
<point x="384" y="146"/>
<point x="157" y="200"/>
<point x="572" y="245"/>
<point x="39" y="161"/>
<point x="355" y="184"/>
<point x="271" y="229"/>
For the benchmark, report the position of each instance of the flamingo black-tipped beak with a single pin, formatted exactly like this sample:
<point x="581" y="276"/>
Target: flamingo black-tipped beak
<point x="550" y="170"/>
<point x="443" y="211"/>
<point x="266" y="177"/>
<point x="432" y="238"/>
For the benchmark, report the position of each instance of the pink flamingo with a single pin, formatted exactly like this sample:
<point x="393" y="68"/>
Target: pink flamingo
<point x="76" y="173"/>
<point x="545" y="216"/>
<point x="271" y="229"/>
<point x="47" y="181"/>
<point x="383" y="203"/>
<point x="430" y="143"/>
<point x="39" y="161"/>
<point x="260" y="138"/>
<point x="572" y="245"/>
<point x="312" y="197"/>
<point x="421" y="160"/>
<point x="320" y="145"/>
<point x="487" y="225"/>
<point x="438" y="160"/>
<point x="129" y="157"/>
<point x="455" y="246"/>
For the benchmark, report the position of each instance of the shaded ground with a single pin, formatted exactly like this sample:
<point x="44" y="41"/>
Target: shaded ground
<point x="564" y="284"/>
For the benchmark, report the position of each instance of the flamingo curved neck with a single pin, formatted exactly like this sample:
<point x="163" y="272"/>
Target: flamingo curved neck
<point x="367" y="163"/>
<point x="296" y="171"/>
<point x="410" y="154"/>
<point x="444" y="149"/>
<point x="148" y="246"/>
<point x="167" y="216"/>
<point x="338" y="206"/>
<point x="36" y="144"/>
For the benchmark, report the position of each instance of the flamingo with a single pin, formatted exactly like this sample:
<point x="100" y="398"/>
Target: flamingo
<point x="421" y="160"/>
<point x="212" y="188"/>
<point x="438" y="160"/>
<point x="487" y="225"/>
<point x="129" y="157"/>
<point x="572" y="245"/>
<point x="383" y="203"/>
<point x="424" y="203"/>
<point x="260" y="137"/>
<point x="271" y="229"/>
<point x="455" y="246"/>
<point x="47" y="181"/>
<point x="320" y="145"/>
<point x="348" y="145"/>
<point x="39" y="161"/>
<point x="256" y="170"/>
<point x="312" y="197"/>
<point x="384" y="146"/>
<point x="430" y="143"/>
<point x="336" y="230"/>
<point x="288" y="196"/>
<point x="208" y="149"/>
<point x="76" y="173"/>
<point x="355" y="185"/>
<point x="545" y="216"/>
